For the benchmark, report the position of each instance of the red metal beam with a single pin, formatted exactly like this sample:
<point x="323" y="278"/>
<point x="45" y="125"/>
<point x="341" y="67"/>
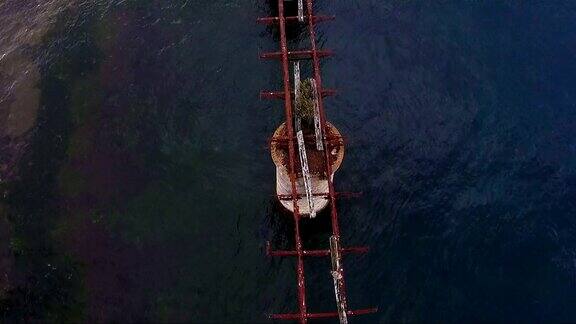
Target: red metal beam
<point x="295" y="316"/>
<point x="282" y="139"/>
<point x="314" y="253"/>
<point x="301" y="282"/>
<point x="323" y="194"/>
<point x="297" y="55"/>
<point x="337" y="140"/>
<point x="318" y="79"/>
<point x="291" y="19"/>
<point x="280" y="94"/>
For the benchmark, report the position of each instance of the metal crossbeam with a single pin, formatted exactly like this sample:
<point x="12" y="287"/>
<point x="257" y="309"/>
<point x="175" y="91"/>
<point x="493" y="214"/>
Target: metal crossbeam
<point x="280" y="94"/>
<point x="314" y="253"/>
<point x="324" y="195"/>
<point x="289" y="19"/>
<point x="297" y="55"/>
<point x="296" y="316"/>
<point x="284" y="139"/>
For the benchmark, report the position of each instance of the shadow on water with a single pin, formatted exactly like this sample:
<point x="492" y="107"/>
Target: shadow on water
<point x="314" y="232"/>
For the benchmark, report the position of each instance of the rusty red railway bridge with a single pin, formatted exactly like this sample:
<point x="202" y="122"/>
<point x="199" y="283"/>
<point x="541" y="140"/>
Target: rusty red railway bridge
<point x="307" y="18"/>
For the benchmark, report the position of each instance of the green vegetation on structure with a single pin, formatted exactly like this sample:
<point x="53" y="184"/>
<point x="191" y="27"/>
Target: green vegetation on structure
<point x="305" y="107"/>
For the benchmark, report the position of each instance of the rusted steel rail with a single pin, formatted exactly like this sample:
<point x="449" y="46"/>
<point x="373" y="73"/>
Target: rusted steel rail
<point x="287" y="93"/>
<point x="324" y="195"/>
<point x="280" y="94"/>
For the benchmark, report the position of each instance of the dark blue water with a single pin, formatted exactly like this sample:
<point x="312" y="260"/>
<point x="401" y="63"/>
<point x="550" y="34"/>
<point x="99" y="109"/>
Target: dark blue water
<point x="145" y="194"/>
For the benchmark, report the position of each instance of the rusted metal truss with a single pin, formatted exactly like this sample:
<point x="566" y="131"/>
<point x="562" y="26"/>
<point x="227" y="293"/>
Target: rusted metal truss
<point x="287" y="94"/>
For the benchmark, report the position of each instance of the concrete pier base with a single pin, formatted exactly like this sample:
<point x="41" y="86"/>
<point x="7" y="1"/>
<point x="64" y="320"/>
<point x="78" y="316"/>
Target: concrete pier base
<point x="318" y="178"/>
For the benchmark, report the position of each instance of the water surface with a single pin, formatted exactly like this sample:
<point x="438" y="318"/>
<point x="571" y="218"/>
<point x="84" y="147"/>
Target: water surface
<point x="140" y="188"/>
